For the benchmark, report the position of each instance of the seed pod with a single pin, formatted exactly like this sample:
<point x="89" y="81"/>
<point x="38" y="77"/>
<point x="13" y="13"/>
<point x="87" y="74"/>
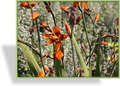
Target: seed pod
<point x="72" y="20"/>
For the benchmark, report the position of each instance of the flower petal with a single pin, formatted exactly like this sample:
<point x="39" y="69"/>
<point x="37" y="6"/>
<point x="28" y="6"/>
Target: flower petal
<point x="33" y="3"/>
<point x="96" y="18"/>
<point x="76" y="3"/>
<point x="65" y="8"/>
<point x="49" y="41"/>
<point x="46" y="26"/>
<point x="57" y="45"/>
<point x="58" y="55"/>
<point x="46" y="68"/>
<point x="85" y="5"/>
<point x="26" y="5"/>
<point x="35" y="15"/>
<point x="41" y="74"/>
<point x="56" y="30"/>
<point x="104" y="43"/>
<point x="63" y="37"/>
<point x="48" y="36"/>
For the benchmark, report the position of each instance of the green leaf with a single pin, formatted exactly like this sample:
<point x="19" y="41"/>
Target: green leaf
<point x="30" y="59"/>
<point x="80" y="58"/>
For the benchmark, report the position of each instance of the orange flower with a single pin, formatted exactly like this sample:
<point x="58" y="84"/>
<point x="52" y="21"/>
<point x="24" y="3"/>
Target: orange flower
<point x="67" y="28"/>
<point x="96" y="18"/>
<point x="76" y="4"/>
<point x="58" y="55"/>
<point x="56" y="37"/>
<point x="104" y="43"/>
<point x="35" y="15"/>
<point x="46" y="68"/>
<point x="65" y="8"/>
<point x="46" y="26"/>
<point x="26" y="5"/>
<point x="78" y="19"/>
<point x="86" y="8"/>
<point x="41" y="74"/>
<point x="85" y="5"/>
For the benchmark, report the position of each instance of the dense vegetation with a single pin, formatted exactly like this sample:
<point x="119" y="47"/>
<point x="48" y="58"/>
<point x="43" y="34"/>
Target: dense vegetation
<point x="67" y="39"/>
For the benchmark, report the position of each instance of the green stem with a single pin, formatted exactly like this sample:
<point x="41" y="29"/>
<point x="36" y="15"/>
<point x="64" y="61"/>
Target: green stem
<point x="51" y="13"/>
<point x="39" y="44"/>
<point x="91" y="53"/>
<point x="97" y="72"/>
<point x="58" y="65"/>
<point x="93" y="25"/>
<point x="30" y="7"/>
<point x="39" y="39"/>
<point x="85" y="27"/>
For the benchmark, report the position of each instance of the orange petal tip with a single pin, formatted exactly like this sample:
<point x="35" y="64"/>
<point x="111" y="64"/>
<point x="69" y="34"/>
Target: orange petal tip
<point x="41" y="74"/>
<point x="58" y="55"/>
<point x="35" y="15"/>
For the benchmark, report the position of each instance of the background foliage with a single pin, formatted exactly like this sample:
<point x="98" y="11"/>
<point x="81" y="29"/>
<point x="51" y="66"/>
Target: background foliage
<point x="108" y="12"/>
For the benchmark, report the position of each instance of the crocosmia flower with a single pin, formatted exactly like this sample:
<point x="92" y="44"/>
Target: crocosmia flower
<point x="56" y="37"/>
